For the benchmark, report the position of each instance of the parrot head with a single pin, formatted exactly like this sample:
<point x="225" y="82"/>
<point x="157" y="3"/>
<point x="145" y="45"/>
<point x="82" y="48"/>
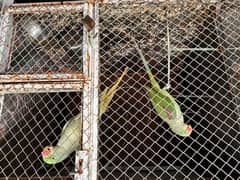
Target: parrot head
<point x="182" y="129"/>
<point x="49" y="155"/>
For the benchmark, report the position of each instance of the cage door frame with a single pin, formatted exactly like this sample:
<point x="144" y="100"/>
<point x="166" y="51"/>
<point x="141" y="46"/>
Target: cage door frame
<point x="90" y="95"/>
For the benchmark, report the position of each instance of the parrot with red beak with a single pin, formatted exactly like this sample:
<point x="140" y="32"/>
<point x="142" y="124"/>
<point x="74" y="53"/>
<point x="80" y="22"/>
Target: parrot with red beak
<point x="70" y="135"/>
<point x="164" y="104"/>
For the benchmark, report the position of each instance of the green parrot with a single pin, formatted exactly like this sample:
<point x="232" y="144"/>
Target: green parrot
<point x="164" y="104"/>
<point x="70" y="136"/>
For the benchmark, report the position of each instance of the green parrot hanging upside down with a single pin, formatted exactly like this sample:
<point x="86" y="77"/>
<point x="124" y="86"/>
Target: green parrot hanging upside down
<point x="70" y="136"/>
<point x="164" y="104"/>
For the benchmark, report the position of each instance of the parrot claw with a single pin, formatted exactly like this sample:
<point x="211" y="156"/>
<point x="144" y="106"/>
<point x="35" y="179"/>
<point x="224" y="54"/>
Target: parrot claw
<point x="167" y="87"/>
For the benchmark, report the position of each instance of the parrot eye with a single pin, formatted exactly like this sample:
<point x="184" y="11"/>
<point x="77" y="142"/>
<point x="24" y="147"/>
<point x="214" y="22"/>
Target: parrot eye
<point x="53" y="158"/>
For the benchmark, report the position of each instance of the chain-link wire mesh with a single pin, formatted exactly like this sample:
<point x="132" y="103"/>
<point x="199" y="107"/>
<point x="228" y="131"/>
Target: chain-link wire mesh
<point x="200" y="42"/>
<point x="49" y="41"/>
<point x="30" y="122"/>
<point x="41" y="81"/>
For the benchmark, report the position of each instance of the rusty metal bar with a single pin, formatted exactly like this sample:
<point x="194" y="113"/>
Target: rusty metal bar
<point x="45" y="7"/>
<point x="153" y="1"/>
<point x="86" y="99"/>
<point x="16" y="78"/>
<point x="5" y="29"/>
<point x="40" y="88"/>
<point x="86" y="89"/>
<point x="94" y="39"/>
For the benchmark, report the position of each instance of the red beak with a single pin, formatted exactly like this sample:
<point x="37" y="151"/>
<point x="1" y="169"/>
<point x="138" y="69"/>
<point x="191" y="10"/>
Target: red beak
<point x="45" y="153"/>
<point x="189" y="129"/>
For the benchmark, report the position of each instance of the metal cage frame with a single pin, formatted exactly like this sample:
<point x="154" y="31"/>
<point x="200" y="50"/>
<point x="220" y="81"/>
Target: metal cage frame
<point x="98" y="144"/>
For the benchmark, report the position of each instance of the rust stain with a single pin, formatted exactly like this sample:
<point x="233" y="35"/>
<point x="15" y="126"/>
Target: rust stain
<point x="80" y="164"/>
<point x="91" y="1"/>
<point x="42" y="86"/>
<point x="43" y="6"/>
<point x="13" y="78"/>
<point x="88" y="23"/>
<point x="49" y="77"/>
<point x="42" y="77"/>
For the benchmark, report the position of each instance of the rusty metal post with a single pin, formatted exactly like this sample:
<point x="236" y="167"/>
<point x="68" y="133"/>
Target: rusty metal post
<point x="90" y="94"/>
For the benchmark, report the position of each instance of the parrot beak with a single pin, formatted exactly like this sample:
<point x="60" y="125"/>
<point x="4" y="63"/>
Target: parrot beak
<point x="44" y="154"/>
<point x="189" y="129"/>
<point x="46" y="151"/>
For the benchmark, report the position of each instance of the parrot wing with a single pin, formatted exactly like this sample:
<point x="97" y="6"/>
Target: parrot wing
<point x="70" y="135"/>
<point x="163" y="105"/>
<point x="162" y="101"/>
<point x="65" y="127"/>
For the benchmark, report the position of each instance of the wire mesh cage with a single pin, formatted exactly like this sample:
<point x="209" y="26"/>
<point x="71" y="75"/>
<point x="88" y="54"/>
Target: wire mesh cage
<point x="192" y="46"/>
<point x="41" y="83"/>
<point x="46" y="42"/>
<point x="30" y="122"/>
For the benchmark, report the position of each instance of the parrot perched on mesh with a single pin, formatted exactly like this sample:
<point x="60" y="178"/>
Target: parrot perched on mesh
<point x="164" y="104"/>
<point x="70" y="136"/>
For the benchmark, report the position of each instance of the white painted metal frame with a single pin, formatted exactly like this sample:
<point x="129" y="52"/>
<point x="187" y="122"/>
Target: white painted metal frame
<point x="86" y="159"/>
<point x="4" y="37"/>
<point x="5" y="33"/>
<point x="90" y="96"/>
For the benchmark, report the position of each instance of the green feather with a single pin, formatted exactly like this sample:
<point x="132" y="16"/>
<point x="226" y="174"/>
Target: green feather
<point x="153" y="81"/>
<point x="162" y="105"/>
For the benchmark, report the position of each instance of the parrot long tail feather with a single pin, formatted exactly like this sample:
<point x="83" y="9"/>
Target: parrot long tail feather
<point x="113" y="89"/>
<point x="108" y="94"/>
<point x="148" y="70"/>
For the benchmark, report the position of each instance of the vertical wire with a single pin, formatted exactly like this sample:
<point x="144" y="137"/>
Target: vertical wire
<point x="169" y="57"/>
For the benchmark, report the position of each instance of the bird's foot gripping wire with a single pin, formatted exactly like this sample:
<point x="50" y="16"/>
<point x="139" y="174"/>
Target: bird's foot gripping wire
<point x="167" y="87"/>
